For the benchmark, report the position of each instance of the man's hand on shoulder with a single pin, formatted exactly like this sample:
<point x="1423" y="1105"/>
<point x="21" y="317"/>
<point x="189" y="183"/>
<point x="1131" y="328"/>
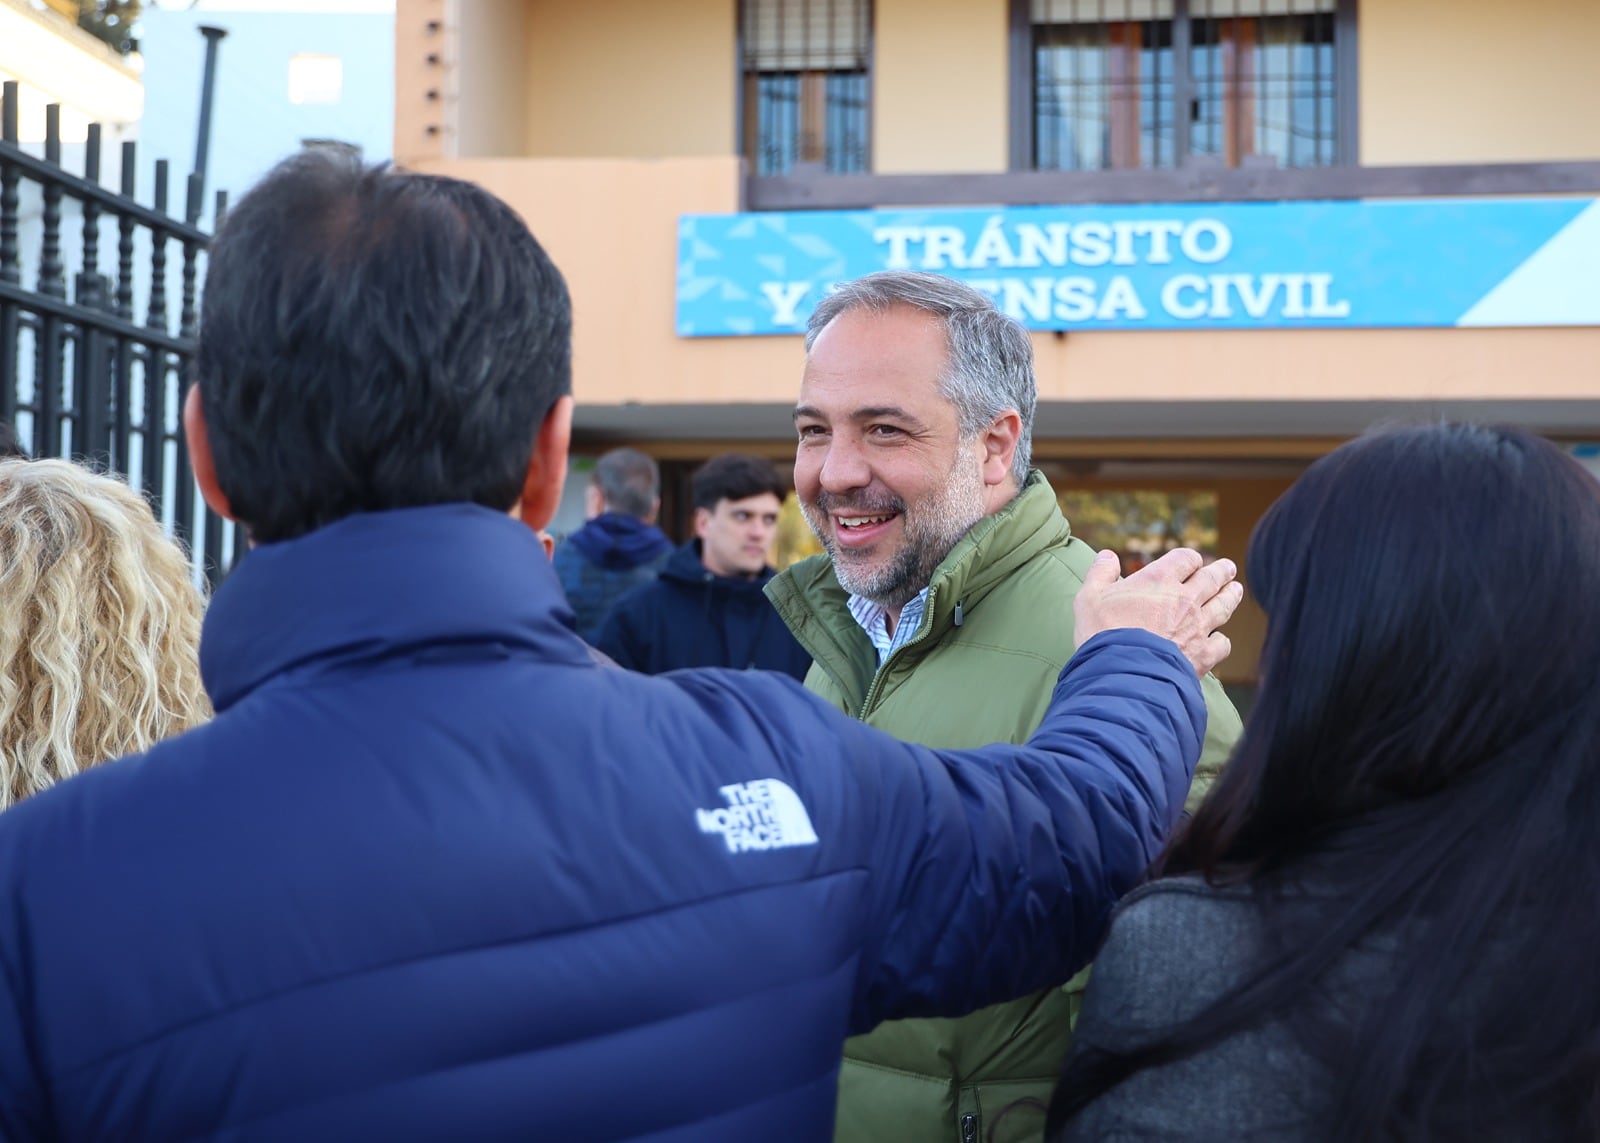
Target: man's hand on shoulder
<point x="1178" y="597"/>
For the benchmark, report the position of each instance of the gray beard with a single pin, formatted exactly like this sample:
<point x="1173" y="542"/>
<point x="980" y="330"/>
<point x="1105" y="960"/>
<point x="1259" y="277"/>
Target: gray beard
<point x="930" y="534"/>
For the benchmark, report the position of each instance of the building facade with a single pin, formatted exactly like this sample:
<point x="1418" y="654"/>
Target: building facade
<point x="95" y="92"/>
<point x="52" y="60"/>
<point x="1241" y="230"/>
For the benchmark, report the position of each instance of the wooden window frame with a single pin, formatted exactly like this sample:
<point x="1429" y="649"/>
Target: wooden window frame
<point x="1347" y="146"/>
<point x="812" y="157"/>
<point x="1123" y="97"/>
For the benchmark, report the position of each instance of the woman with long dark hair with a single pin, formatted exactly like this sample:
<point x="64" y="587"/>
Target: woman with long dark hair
<point x="1384" y="922"/>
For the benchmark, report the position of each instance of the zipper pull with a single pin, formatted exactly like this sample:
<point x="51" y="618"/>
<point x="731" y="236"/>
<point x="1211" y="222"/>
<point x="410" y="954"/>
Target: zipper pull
<point x="969" y="1123"/>
<point x="958" y="613"/>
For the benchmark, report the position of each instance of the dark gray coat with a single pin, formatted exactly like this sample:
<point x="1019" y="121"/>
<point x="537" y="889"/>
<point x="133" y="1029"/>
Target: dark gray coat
<point x="1175" y="947"/>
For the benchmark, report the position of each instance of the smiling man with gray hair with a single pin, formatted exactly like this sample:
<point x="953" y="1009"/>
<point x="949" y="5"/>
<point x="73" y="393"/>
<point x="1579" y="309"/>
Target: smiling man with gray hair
<point x="941" y="612"/>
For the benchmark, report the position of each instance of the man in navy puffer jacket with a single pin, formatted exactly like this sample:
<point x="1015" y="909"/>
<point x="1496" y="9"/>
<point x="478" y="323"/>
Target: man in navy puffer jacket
<point x="432" y="874"/>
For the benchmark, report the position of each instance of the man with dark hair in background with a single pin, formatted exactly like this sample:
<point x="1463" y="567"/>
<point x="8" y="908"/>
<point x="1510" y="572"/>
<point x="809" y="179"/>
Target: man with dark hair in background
<point x="619" y="548"/>
<point x="707" y="609"/>
<point x="431" y="873"/>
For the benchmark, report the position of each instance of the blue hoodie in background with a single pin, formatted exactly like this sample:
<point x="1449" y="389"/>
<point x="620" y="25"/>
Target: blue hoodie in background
<point x="604" y="560"/>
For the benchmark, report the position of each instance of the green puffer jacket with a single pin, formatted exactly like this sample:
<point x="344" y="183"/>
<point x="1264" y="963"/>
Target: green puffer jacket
<point x="984" y="677"/>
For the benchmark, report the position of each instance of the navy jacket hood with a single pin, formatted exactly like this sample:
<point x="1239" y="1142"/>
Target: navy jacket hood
<point x="618" y="542"/>
<point x="270" y="617"/>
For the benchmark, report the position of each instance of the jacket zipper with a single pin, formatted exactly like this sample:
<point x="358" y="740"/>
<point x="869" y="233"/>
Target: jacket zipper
<point x="969" y="1129"/>
<point x="877" y="679"/>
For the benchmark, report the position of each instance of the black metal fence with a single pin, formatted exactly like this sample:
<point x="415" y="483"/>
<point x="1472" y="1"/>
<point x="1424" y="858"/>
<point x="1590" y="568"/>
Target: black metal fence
<point x="97" y="372"/>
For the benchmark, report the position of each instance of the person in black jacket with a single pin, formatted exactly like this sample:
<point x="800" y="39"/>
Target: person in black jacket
<point x="707" y="608"/>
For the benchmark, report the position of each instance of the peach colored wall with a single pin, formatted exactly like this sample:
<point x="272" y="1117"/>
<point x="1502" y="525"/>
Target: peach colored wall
<point x="1441" y="80"/>
<point x="939" y="95"/>
<point x="629" y="78"/>
<point x="1469" y="81"/>
<point x="421" y="106"/>
<point x="491" y="56"/>
<point x="611" y="225"/>
<point x="1355" y="365"/>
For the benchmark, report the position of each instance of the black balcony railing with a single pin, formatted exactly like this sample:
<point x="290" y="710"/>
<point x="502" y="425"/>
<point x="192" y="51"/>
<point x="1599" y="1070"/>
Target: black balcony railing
<point x="82" y="374"/>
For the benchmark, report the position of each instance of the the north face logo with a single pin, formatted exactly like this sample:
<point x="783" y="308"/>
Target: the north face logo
<point x="764" y="814"/>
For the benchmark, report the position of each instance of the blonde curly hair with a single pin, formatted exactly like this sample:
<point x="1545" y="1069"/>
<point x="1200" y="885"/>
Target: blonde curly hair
<point x="99" y="626"/>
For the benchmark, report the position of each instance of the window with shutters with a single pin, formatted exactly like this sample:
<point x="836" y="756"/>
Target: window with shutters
<point x="806" y="78"/>
<point x="1151" y="83"/>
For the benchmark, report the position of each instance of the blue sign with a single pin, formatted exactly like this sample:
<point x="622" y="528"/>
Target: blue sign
<point x="1433" y="262"/>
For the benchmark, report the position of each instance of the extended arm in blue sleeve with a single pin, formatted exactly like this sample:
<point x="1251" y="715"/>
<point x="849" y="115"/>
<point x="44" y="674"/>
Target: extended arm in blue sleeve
<point x="997" y="869"/>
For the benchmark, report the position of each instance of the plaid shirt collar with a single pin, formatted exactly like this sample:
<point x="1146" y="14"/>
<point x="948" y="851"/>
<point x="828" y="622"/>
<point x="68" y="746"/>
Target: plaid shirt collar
<point x="874" y="620"/>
